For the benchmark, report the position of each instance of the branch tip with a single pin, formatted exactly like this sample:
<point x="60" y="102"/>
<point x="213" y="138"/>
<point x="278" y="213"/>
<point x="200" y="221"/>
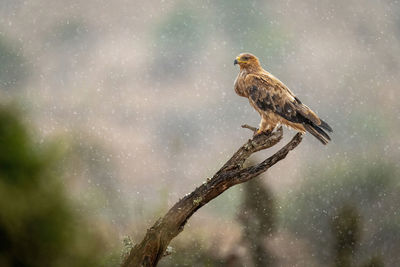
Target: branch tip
<point x="254" y="129"/>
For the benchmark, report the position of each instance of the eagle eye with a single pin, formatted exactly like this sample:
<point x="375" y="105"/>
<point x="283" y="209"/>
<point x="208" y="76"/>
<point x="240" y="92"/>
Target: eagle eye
<point x="246" y="58"/>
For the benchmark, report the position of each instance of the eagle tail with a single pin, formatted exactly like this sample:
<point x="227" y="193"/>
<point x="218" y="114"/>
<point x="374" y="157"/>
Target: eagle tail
<point x="317" y="132"/>
<point x="325" y="126"/>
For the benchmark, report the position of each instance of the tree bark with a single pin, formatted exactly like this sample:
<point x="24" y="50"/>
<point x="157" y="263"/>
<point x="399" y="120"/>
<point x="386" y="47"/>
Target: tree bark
<point x="153" y="246"/>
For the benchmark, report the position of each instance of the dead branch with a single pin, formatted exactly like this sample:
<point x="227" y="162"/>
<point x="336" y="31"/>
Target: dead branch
<point x="249" y="127"/>
<point x="153" y="246"/>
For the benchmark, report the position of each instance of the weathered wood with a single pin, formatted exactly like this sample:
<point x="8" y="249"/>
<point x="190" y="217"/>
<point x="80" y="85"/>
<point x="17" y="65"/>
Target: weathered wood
<point x="153" y="246"/>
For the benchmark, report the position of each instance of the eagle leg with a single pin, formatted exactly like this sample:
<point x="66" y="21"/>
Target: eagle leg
<point x="259" y="132"/>
<point x="265" y="127"/>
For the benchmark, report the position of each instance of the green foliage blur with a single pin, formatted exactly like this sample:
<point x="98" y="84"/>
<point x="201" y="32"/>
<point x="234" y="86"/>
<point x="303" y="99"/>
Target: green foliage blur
<point x="248" y="28"/>
<point x="346" y="230"/>
<point x="193" y="253"/>
<point x="13" y="69"/>
<point x="362" y="196"/>
<point x="258" y="219"/>
<point x="38" y="224"/>
<point x="182" y="26"/>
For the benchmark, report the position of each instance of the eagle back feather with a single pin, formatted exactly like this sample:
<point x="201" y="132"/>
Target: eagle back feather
<point x="270" y="94"/>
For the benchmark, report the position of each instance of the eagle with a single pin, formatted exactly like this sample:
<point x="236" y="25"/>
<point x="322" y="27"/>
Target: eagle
<point x="274" y="101"/>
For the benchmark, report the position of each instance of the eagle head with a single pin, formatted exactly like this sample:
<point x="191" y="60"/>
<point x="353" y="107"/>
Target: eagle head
<point x="246" y="60"/>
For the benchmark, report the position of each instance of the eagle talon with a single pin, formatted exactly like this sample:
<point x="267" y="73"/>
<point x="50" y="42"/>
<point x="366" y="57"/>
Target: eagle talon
<point x="258" y="132"/>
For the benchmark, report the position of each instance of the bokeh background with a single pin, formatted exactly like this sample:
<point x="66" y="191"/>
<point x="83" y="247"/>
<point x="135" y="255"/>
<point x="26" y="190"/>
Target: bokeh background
<point x="112" y="110"/>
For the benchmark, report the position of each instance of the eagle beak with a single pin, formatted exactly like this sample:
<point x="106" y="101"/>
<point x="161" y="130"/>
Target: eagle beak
<point x="235" y="62"/>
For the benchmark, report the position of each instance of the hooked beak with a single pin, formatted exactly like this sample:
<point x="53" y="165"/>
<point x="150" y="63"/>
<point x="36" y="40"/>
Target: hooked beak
<point x="235" y="62"/>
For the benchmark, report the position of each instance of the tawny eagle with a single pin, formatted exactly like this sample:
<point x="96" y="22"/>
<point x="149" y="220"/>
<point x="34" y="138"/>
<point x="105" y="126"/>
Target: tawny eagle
<point x="274" y="101"/>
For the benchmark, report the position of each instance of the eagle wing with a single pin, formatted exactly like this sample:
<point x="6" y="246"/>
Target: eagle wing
<point x="270" y="94"/>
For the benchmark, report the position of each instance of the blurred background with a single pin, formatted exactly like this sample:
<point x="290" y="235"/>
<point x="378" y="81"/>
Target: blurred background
<point x="112" y="110"/>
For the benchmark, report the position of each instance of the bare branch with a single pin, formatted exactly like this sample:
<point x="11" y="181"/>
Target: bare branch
<point x="249" y="127"/>
<point x="157" y="238"/>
